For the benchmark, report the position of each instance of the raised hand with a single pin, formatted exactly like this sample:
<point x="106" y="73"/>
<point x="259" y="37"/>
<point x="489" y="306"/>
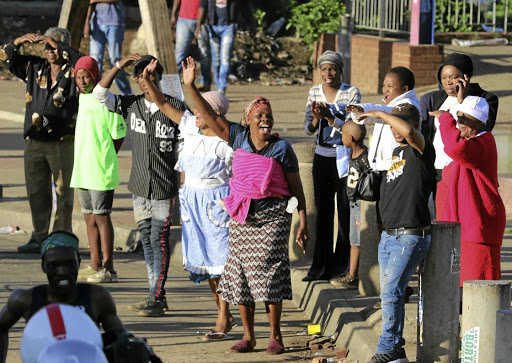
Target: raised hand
<point x="189" y="71"/>
<point x="150" y="69"/>
<point x="462" y="90"/>
<point x="129" y="59"/>
<point x="354" y="108"/>
<point x="436" y="113"/>
<point x="29" y="37"/>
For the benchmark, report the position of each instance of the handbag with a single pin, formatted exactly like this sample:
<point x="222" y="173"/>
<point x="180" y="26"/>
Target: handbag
<point x="368" y="186"/>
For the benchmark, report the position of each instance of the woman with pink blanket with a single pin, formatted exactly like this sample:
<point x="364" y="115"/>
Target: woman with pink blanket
<point x="264" y="185"/>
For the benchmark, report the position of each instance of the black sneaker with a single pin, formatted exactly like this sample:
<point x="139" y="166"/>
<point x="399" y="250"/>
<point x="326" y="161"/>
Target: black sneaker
<point x="153" y="308"/>
<point x="352" y="283"/>
<point x="138" y="306"/>
<point x="397" y="356"/>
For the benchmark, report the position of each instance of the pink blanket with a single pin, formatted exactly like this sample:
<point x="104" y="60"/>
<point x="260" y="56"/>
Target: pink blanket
<point x="254" y="177"/>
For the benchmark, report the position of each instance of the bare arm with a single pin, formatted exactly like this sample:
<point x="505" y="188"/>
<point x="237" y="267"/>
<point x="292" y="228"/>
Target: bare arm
<point x="200" y="20"/>
<point x="107" y="79"/>
<point x="87" y="25"/>
<point x="174" y="14"/>
<point x="413" y="136"/>
<point x="16" y="307"/>
<point x="295" y="185"/>
<point x="106" y="309"/>
<point x="158" y="97"/>
<point x="218" y="124"/>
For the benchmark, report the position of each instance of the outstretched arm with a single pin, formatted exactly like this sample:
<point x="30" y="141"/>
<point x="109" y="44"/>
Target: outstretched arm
<point x="107" y="79"/>
<point x="216" y="123"/>
<point x="157" y="96"/>
<point x="412" y="135"/>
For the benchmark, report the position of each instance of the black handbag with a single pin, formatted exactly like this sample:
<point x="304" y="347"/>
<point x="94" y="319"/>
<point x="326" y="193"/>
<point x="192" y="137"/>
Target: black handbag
<point x="368" y="186"/>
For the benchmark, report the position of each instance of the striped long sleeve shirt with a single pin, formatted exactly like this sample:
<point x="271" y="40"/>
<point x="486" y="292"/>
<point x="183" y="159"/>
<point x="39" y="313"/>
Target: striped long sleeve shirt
<point x="154" y="138"/>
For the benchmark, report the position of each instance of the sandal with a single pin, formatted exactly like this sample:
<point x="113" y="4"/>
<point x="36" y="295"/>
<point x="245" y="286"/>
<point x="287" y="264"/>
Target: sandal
<point x="211" y="335"/>
<point x="242" y="347"/>
<point x="275" y="347"/>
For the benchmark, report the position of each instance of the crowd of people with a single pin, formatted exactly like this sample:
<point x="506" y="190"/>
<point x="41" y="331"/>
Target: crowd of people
<point x="436" y="156"/>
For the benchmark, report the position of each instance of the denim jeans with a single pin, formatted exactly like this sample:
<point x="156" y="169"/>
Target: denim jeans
<point x="399" y="256"/>
<point x="185" y="29"/>
<point x="113" y="35"/>
<point x="222" y="39"/>
<point x="154" y="220"/>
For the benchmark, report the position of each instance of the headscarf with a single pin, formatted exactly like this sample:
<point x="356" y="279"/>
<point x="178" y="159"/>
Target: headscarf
<point x="59" y="239"/>
<point x="330" y="57"/>
<point x="460" y="61"/>
<point x="258" y="102"/>
<point x="91" y="66"/>
<point x="218" y="101"/>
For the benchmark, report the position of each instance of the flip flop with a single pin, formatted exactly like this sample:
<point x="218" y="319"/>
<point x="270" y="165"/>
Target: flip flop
<point x="275" y="347"/>
<point x="217" y="336"/>
<point x="242" y="347"/>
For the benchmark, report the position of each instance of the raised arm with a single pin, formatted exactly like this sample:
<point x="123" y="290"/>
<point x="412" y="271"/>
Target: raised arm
<point x="404" y="128"/>
<point x="218" y="124"/>
<point x="107" y="79"/>
<point x="157" y="96"/>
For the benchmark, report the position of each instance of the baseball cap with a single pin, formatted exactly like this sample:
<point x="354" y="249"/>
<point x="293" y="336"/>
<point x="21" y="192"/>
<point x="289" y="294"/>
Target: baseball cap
<point x="474" y="106"/>
<point x="139" y="65"/>
<point x="406" y="112"/>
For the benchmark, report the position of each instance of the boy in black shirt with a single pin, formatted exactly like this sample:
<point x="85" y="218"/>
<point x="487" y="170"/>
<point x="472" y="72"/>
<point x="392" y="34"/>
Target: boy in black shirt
<point x="406" y="220"/>
<point x="353" y="137"/>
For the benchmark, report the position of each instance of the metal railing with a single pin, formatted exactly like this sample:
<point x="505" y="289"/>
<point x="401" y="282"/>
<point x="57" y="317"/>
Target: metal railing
<point x="393" y="16"/>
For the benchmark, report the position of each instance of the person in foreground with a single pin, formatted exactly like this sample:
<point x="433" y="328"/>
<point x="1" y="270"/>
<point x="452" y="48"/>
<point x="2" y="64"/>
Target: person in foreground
<point x="60" y="261"/>
<point x="468" y="192"/>
<point x="265" y="185"/>
<point x="205" y="159"/>
<point x="405" y="239"/>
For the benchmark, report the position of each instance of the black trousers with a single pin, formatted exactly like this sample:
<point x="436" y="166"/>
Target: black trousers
<point x="330" y="189"/>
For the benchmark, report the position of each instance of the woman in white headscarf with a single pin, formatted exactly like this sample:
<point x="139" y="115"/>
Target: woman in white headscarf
<point x="325" y="115"/>
<point x="206" y="161"/>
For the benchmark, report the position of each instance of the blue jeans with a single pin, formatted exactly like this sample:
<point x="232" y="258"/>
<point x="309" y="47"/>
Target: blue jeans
<point x="399" y="256"/>
<point x="222" y="39"/>
<point x="185" y="29"/>
<point x="154" y="220"/>
<point x="114" y="36"/>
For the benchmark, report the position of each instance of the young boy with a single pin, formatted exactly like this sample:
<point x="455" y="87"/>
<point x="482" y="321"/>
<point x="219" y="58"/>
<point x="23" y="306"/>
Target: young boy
<point x="353" y="137"/>
<point x="98" y="137"/>
<point x="405" y="215"/>
<point x="153" y="180"/>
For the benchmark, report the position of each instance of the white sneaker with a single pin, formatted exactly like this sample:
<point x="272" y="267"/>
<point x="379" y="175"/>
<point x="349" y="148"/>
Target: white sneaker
<point x="85" y="273"/>
<point x="103" y="276"/>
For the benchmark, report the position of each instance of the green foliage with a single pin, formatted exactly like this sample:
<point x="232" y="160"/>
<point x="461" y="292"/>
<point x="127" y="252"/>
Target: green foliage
<point x="316" y="17"/>
<point x="259" y="16"/>
<point x="445" y="22"/>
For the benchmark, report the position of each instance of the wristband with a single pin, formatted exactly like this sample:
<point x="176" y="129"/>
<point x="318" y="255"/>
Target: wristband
<point x="118" y="65"/>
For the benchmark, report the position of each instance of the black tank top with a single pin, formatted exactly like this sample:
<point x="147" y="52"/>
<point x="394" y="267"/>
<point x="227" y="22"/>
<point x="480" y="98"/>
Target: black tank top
<point x="82" y="301"/>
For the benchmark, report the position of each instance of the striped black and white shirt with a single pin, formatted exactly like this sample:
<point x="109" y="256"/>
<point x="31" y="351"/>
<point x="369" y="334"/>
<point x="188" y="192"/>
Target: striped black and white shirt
<point x="154" y="138"/>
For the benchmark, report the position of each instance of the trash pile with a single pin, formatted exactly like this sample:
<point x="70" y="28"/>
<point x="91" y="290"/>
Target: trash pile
<point x="270" y="61"/>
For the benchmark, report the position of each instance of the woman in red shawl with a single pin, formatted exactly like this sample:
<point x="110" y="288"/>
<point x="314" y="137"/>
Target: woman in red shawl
<point x="468" y="192"/>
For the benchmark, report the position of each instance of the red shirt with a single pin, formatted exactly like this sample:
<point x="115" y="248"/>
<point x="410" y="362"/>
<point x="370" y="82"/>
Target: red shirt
<point x="189" y="9"/>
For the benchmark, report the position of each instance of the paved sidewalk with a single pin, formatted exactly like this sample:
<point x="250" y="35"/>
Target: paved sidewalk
<point x="345" y="312"/>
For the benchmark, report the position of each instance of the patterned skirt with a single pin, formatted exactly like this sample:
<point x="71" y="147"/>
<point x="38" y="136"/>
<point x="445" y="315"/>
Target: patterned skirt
<point x="258" y="266"/>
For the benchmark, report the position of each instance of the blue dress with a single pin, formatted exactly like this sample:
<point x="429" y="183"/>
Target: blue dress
<point x="206" y="162"/>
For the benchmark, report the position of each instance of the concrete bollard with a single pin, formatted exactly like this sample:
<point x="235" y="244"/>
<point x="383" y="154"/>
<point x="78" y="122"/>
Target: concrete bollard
<point x="369" y="273"/>
<point x="438" y="309"/>
<point x="305" y="152"/>
<point x="480" y="302"/>
<point x="503" y="348"/>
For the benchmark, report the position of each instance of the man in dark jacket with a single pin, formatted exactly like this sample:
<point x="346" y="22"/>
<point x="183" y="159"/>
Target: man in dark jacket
<point x="49" y="129"/>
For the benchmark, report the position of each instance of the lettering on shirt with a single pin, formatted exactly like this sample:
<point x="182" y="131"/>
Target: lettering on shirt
<point x="137" y="124"/>
<point x="203" y="148"/>
<point x="163" y="131"/>
<point x="397" y="168"/>
<point x="353" y="177"/>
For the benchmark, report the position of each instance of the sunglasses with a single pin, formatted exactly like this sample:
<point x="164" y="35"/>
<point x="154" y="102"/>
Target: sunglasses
<point x="49" y="48"/>
<point x="463" y="119"/>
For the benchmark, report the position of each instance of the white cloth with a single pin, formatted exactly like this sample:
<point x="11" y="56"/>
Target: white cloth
<point x="383" y="154"/>
<point x="441" y="158"/>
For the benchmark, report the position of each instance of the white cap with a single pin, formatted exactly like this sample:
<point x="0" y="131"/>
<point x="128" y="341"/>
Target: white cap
<point x="56" y="323"/>
<point x="474" y="106"/>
